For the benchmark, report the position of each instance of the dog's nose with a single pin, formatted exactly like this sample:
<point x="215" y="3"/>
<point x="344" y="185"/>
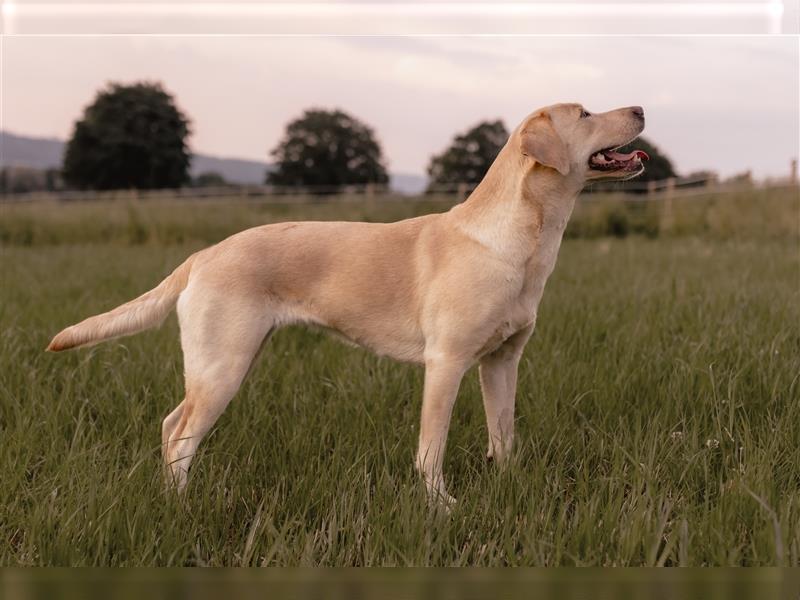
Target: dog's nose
<point x="638" y="111"/>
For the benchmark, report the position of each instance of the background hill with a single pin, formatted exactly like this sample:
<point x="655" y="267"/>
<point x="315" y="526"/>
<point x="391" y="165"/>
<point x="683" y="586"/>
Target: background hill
<point x="37" y="153"/>
<point x="46" y="153"/>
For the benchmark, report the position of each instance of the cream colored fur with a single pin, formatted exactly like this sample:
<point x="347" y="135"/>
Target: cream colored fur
<point x="446" y="290"/>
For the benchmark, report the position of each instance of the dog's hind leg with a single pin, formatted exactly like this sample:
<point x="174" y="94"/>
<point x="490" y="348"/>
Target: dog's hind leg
<point x="168" y="426"/>
<point x="220" y="333"/>
<point x="498" y="377"/>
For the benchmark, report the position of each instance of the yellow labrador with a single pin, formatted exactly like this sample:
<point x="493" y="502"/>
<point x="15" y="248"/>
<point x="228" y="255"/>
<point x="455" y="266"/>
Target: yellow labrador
<point x="446" y="290"/>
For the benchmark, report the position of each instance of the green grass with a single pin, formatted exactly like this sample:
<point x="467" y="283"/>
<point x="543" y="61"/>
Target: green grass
<point x="758" y="213"/>
<point x="658" y="421"/>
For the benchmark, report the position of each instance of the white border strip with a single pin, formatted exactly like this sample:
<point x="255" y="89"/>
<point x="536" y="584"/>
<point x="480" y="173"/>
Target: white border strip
<point x="14" y="12"/>
<point x="770" y="8"/>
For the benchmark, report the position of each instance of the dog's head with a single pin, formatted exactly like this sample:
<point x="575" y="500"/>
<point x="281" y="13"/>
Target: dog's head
<point x="581" y="145"/>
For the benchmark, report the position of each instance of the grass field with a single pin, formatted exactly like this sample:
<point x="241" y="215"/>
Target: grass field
<point x="658" y="414"/>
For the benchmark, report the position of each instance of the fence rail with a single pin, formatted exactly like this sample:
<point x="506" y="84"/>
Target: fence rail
<point x="630" y="191"/>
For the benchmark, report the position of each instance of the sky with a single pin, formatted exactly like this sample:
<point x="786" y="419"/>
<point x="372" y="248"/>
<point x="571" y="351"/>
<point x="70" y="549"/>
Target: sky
<point x="725" y="103"/>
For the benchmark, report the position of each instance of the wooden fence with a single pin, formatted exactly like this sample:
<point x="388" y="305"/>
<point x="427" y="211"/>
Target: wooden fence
<point x="635" y="191"/>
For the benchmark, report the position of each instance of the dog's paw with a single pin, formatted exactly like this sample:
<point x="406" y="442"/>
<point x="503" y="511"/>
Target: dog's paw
<point x="441" y="501"/>
<point x="498" y="459"/>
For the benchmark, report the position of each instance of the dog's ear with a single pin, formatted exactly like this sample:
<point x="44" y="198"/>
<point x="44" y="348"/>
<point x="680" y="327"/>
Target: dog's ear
<point x="540" y="141"/>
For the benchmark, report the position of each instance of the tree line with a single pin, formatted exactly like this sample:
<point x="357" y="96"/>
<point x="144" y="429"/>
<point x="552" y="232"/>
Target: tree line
<point x="135" y="137"/>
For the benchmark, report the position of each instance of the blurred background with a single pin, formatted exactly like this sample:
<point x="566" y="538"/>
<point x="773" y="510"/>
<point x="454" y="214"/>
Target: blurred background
<point x="272" y="119"/>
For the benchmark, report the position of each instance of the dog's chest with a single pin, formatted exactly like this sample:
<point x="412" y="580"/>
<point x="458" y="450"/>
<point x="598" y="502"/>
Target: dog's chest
<point x="536" y="271"/>
<point x="521" y="307"/>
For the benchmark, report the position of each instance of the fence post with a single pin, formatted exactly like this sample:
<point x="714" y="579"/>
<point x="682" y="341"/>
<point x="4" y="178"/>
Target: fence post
<point x="369" y="192"/>
<point x="462" y="192"/>
<point x="793" y="172"/>
<point x="667" y="215"/>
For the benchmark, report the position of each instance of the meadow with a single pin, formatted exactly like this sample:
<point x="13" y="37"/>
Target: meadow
<point x="658" y="411"/>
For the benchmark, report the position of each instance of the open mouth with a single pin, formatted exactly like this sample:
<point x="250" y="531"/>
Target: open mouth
<point x="609" y="160"/>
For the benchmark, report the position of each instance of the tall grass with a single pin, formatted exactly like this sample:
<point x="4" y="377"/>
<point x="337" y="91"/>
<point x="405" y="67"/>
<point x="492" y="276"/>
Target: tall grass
<point x="658" y="414"/>
<point x="752" y="213"/>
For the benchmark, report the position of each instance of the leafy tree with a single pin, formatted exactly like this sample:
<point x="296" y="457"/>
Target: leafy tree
<point x="131" y="136"/>
<point x="698" y="178"/>
<point x="209" y="179"/>
<point x="325" y="150"/>
<point x="745" y="177"/>
<point x="469" y="156"/>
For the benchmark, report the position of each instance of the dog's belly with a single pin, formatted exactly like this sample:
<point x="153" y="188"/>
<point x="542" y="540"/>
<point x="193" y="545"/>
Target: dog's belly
<point x="382" y="324"/>
<point x="399" y="347"/>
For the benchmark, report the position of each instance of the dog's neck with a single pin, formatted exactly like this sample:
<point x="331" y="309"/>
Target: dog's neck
<point x="519" y="209"/>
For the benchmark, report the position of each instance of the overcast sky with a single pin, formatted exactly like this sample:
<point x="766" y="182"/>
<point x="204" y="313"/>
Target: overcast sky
<point x="725" y="103"/>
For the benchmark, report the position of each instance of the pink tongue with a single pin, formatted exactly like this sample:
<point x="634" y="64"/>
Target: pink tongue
<point x="627" y="157"/>
<point x="641" y="154"/>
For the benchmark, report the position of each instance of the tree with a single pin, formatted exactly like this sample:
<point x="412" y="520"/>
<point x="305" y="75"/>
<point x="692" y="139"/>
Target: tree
<point x="698" y="178"/>
<point x="209" y="179"/>
<point x="469" y="156"/>
<point x="324" y="150"/>
<point x="131" y="136"/>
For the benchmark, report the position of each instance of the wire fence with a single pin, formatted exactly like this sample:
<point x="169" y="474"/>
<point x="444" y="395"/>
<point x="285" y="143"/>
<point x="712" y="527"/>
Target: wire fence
<point x="633" y="191"/>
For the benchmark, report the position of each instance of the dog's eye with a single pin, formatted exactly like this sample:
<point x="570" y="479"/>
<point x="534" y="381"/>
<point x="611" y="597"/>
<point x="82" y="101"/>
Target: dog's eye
<point x="585" y="114"/>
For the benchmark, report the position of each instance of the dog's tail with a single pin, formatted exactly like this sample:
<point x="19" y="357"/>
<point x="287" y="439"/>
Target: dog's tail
<point x="146" y="311"/>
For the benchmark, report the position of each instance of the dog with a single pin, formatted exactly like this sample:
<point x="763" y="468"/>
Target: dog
<point x="445" y="290"/>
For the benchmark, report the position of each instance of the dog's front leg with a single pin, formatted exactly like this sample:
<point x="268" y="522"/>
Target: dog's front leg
<point x="442" y="379"/>
<point x="498" y="375"/>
